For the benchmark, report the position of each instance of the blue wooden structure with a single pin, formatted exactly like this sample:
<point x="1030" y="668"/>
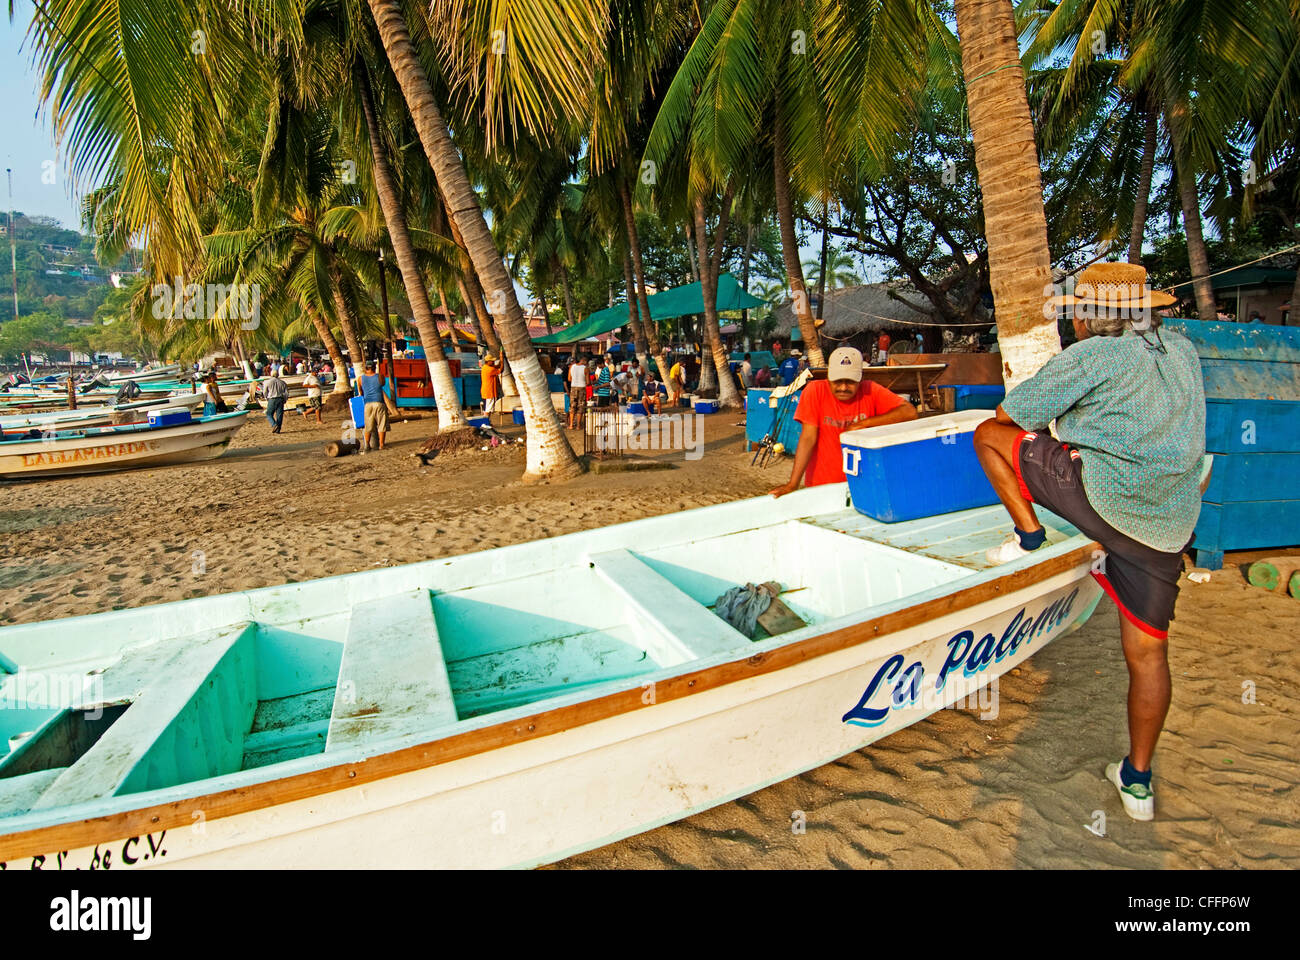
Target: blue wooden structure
<point x="759" y="415"/>
<point x="1252" y="426"/>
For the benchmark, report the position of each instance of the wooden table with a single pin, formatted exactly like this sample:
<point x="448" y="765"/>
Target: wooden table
<point x="922" y="374"/>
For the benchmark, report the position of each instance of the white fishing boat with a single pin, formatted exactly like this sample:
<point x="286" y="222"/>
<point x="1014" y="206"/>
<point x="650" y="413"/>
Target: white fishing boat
<point x="105" y="449"/>
<point x="96" y="415"/>
<point x="509" y="707"/>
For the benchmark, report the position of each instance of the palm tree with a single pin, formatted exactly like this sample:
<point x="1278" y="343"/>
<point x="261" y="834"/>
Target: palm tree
<point x="814" y="87"/>
<point x="1185" y="62"/>
<point x="840" y="270"/>
<point x="446" y="395"/>
<point x="1006" y="156"/>
<point x="549" y="454"/>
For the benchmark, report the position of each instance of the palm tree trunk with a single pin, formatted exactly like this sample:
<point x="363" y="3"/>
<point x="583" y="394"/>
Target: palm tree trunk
<point x="728" y="396"/>
<point x="1198" y="258"/>
<point x="546" y="313"/>
<point x="243" y="360"/>
<point x="417" y="294"/>
<point x="342" y="385"/>
<point x="1293" y="315"/>
<point x="744" y="276"/>
<point x="345" y="316"/>
<point x="821" y="274"/>
<point x="548" y="452"/>
<point x="1138" y="231"/>
<point x="650" y="331"/>
<point x="474" y="306"/>
<point x="568" y="296"/>
<point x="1006" y="159"/>
<point x="485" y="324"/>
<point x="633" y="317"/>
<point x="690" y="253"/>
<point x="451" y="323"/>
<point x="790" y="252"/>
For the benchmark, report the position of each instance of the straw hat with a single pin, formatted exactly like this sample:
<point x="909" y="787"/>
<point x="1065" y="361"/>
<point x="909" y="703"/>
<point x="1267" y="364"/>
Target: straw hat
<point x="1118" y="285"/>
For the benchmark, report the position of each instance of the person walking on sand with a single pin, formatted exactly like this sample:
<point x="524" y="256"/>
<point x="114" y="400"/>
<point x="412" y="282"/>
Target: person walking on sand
<point x="1125" y="468"/>
<point x="843" y="401"/>
<point x="275" y="391"/>
<point x="312" y="383"/>
<point x="375" y="422"/>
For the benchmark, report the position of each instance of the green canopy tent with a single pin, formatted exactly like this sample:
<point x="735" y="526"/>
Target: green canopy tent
<point x="677" y="302"/>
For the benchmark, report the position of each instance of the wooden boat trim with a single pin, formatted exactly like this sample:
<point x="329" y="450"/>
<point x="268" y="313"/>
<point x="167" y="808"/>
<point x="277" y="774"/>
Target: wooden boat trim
<point x="226" y="803"/>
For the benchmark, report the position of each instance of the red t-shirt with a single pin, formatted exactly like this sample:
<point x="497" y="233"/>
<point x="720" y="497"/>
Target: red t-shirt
<point x="818" y="405"/>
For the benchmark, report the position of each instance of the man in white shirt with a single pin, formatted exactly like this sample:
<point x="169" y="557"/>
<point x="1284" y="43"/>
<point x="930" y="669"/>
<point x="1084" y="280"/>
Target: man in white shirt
<point x="577" y="391"/>
<point x="312" y="383"/>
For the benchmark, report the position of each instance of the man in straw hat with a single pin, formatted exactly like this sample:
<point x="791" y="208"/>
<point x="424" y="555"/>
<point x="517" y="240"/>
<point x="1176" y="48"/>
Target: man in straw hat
<point x="1129" y="406"/>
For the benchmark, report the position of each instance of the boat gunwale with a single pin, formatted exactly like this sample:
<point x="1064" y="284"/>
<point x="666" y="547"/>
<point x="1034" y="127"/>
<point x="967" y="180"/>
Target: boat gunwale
<point x="71" y="834"/>
<point x="121" y="430"/>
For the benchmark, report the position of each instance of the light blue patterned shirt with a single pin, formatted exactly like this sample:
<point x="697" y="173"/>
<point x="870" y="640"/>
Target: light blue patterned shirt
<point x="1137" y="416"/>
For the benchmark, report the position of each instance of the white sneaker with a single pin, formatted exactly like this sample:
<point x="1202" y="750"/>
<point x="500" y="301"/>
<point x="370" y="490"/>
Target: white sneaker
<point x="1010" y="549"/>
<point x="1139" y="801"/>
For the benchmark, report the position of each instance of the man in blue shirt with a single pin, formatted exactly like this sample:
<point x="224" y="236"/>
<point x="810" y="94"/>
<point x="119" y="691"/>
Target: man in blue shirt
<point x="372" y="389"/>
<point x="790" y="368"/>
<point x="1129" y="406"/>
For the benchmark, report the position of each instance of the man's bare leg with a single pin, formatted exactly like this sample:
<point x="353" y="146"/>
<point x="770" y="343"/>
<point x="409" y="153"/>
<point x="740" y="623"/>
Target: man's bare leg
<point x="996" y="445"/>
<point x="1148" y="690"/>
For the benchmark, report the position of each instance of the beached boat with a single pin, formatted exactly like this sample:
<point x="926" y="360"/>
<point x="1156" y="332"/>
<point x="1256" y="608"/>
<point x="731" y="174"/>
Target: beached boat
<point x="105" y="449"/>
<point x="92" y="416"/>
<point x="508" y="707"/>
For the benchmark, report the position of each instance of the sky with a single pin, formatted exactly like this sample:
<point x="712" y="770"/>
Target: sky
<point x="26" y="142"/>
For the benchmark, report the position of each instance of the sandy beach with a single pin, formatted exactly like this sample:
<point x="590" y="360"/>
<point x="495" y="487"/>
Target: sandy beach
<point x="1021" y="788"/>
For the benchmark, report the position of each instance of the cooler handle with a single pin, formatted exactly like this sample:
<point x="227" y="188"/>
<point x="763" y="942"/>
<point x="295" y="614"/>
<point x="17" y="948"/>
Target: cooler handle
<point x="851" y="471"/>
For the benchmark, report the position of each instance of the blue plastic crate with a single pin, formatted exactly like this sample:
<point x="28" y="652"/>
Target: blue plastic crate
<point x="903" y="471"/>
<point x="169" y="418"/>
<point x="517" y="415"/>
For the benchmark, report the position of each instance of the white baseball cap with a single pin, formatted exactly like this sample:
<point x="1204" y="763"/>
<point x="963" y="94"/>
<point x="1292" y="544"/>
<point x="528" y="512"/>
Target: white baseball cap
<point x="845" y="364"/>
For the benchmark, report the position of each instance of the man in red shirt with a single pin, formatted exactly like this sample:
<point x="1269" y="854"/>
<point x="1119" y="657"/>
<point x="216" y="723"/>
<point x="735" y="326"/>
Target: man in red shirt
<point x="829" y="407"/>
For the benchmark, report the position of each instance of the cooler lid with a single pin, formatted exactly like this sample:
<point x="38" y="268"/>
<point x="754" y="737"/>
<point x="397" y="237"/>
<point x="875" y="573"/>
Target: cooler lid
<point x="911" y="431"/>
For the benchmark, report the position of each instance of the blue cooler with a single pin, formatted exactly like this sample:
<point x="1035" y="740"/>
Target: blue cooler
<point x="636" y="408"/>
<point x="358" y="406"/>
<point x="517" y="415"/>
<point x="706" y="406"/>
<point x="169" y="418"/>
<point x="478" y="421"/>
<point x="979" y="397"/>
<point x="920" y="468"/>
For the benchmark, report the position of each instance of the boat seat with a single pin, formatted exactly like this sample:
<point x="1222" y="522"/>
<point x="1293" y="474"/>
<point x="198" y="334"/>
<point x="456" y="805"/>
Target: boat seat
<point x="393" y="679"/>
<point x="17" y="794"/>
<point x="687" y="630"/>
<point x="186" y="724"/>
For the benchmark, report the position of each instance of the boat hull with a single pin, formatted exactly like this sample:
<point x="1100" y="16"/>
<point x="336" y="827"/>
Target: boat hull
<point x="200" y="440"/>
<point x="542" y="787"/>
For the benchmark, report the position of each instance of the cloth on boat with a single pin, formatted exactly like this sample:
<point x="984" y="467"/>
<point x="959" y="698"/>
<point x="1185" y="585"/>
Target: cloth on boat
<point x="128" y="391"/>
<point x="742" y="606"/>
<point x="1141" y="580"/>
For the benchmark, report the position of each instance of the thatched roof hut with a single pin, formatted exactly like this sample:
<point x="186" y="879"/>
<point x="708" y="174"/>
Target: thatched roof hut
<point x="868" y="306"/>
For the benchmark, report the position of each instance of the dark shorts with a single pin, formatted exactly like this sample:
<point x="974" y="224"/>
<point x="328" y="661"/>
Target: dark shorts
<point x="1142" y="581"/>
